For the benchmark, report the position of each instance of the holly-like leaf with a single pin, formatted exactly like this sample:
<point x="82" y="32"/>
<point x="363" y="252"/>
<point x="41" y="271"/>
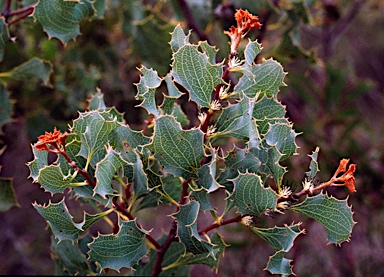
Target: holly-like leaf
<point x="209" y="50"/>
<point x="268" y="107"/>
<point x="146" y="89"/>
<point x="280" y="238"/>
<point x="97" y="101"/>
<point x="266" y="78"/>
<point x="251" y="197"/>
<point x="69" y="256"/>
<point x="313" y="166"/>
<point x="61" y="223"/>
<point x="40" y="160"/>
<point x="178" y="150"/>
<point x="238" y="161"/>
<point x="252" y="49"/>
<point x="193" y="70"/>
<point x="270" y="158"/>
<point x="105" y="170"/>
<point x="277" y="264"/>
<point x="52" y="179"/>
<point x="7" y="194"/>
<point x="170" y="106"/>
<point x="124" y="249"/>
<point x="282" y="136"/>
<point x="207" y="174"/>
<point x="179" y="38"/>
<point x="236" y="121"/>
<point x="61" y="19"/>
<point x="334" y="214"/>
<point x="187" y="230"/>
<point x="93" y="128"/>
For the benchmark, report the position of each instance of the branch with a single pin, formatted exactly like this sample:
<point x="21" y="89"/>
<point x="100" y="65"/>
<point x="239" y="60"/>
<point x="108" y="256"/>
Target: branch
<point x="191" y="22"/>
<point x="221" y="223"/>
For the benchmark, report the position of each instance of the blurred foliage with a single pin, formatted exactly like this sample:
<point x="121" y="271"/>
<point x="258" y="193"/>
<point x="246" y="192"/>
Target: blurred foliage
<point x="330" y="49"/>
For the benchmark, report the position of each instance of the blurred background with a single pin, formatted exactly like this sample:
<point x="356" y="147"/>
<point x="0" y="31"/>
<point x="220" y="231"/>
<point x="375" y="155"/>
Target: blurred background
<point x="333" y="51"/>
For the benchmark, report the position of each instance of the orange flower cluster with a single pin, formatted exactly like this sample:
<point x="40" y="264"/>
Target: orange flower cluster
<point x="246" y="22"/>
<point x="346" y="179"/>
<point x="55" y="139"/>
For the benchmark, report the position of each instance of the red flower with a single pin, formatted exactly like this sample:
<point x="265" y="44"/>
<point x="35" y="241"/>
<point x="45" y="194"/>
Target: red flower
<point x="55" y="139"/>
<point x="246" y="22"/>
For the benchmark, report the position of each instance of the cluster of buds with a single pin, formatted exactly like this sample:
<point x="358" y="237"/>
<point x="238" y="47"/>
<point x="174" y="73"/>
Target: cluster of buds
<point x="246" y="22"/>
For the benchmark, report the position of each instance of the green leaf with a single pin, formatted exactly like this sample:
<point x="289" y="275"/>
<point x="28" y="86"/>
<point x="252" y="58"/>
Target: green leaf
<point x="266" y="78"/>
<point x="270" y="158"/>
<point x="178" y="150"/>
<point x="238" y="161"/>
<point x="61" y="19"/>
<point x="277" y="264"/>
<point x="212" y="262"/>
<point x="7" y="194"/>
<point x="140" y="179"/>
<point x="313" y="166"/>
<point x="193" y="70"/>
<point x="40" y="160"/>
<point x="268" y="107"/>
<point x="34" y="68"/>
<point x="97" y="101"/>
<point x="236" y="121"/>
<point x="178" y="39"/>
<point x="209" y="50"/>
<point x="4" y="37"/>
<point x="252" y="49"/>
<point x="146" y="89"/>
<point x="251" y="197"/>
<point x="187" y="230"/>
<point x="124" y="249"/>
<point x="52" y="179"/>
<point x="280" y="238"/>
<point x="93" y="128"/>
<point x="207" y="174"/>
<point x="170" y="106"/>
<point x="334" y="214"/>
<point x="68" y="255"/>
<point x="61" y="223"/>
<point x="105" y="170"/>
<point x="282" y="136"/>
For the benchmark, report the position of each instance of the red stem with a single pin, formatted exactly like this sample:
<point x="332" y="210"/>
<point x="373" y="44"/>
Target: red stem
<point x="221" y="223"/>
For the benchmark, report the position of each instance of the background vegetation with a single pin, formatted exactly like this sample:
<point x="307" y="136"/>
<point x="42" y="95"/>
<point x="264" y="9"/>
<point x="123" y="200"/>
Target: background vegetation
<point x="332" y="50"/>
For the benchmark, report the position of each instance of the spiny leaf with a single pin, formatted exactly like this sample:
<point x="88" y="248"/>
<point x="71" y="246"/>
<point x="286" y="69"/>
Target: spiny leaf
<point x="178" y="150"/>
<point x="105" y="170"/>
<point x="187" y="230"/>
<point x="270" y="158"/>
<point x="209" y="50"/>
<point x="251" y="197"/>
<point x="313" y="166"/>
<point x="97" y="101"/>
<point x="40" y="160"/>
<point x="52" y="179"/>
<point x="268" y="107"/>
<point x="69" y="256"/>
<point x="193" y="70"/>
<point x="207" y="175"/>
<point x="236" y="121"/>
<point x="146" y="89"/>
<point x="61" y="19"/>
<point x="124" y="249"/>
<point x="277" y="264"/>
<point x="252" y="49"/>
<point x="61" y="223"/>
<point x="280" y="238"/>
<point x="334" y="214"/>
<point x="266" y="78"/>
<point x="93" y="129"/>
<point x="282" y="136"/>
<point x="179" y="38"/>
<point x="238" y="161"/>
